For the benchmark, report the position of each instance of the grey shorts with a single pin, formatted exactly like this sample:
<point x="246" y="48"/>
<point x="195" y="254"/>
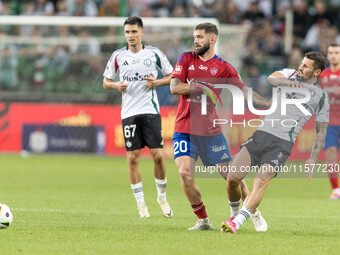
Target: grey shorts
<point x="265" y="148"/>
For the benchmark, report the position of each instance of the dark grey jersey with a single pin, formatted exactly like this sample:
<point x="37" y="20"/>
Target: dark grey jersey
<point x="288" y="126"/>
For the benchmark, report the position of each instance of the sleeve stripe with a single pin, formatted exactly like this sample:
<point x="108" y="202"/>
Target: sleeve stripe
<point x="116" y="64"/>
<point x="225" y="62"/>
<point x="158" y="61"/>
<point x="292" y="74"/>
<point x="180" y="60"/>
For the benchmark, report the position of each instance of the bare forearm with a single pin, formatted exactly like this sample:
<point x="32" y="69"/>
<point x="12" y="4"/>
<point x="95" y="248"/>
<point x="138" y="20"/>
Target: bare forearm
<point x="164" y="81"/>
<point x="278" y="79"/>
<point x="109" y="84"/>
<point x="318" y="141"/>
<point x="257" y="99"/>
<point x="179" y="88"/>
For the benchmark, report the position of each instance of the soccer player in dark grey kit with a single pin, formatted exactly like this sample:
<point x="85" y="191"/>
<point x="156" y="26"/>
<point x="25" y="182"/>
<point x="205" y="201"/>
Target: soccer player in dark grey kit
<point x="271" y="144"/>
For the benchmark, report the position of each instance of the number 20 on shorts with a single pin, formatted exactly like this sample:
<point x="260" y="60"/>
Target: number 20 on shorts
<point x="181" y="146"/>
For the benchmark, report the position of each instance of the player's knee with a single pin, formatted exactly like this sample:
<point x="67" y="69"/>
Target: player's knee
<point x="157" y="158"/>
<point x="185" y="175"/>
<point x="133" y="159"/>
<point x="233" y="182"/>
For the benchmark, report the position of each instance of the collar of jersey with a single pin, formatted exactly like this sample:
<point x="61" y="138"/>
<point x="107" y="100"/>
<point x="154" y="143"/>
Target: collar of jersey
<point x="127" y="47"/>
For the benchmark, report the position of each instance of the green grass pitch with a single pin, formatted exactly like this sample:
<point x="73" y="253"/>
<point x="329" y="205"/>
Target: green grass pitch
<point x="84" y="205"/>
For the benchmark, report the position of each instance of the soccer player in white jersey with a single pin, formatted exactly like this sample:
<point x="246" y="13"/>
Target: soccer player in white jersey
<point x="271" y="144"/>
<point x="138" y="66"/>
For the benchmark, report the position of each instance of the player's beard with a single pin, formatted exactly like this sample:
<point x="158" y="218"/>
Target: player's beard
<point x="303" y="79"/>
<point x="203" y="49"/>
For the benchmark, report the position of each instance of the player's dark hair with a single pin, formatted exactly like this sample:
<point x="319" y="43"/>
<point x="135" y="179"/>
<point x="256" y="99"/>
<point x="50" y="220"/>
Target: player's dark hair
<point x="134" y="20"/>
<point x="334" y="45"/>
<point x="209" y="28"/>
<point x="320" y="61"/>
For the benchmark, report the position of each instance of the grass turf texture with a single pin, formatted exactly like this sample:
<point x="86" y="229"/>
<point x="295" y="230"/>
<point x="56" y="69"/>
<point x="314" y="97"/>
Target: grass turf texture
<point x="84" y="205"/>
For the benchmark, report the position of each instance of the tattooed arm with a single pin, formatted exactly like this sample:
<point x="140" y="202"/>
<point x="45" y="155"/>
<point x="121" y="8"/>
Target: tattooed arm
<point x="179" y="88"/>
<point x="321" y="129"/>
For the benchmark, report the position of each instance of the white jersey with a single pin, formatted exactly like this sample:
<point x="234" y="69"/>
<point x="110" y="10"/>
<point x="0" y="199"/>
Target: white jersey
<point x="133" y="67"/>
<point x="288" y="126"/>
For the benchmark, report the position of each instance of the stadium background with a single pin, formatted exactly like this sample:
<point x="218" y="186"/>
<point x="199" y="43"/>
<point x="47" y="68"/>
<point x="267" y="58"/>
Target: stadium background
<point x="51" y="76"/>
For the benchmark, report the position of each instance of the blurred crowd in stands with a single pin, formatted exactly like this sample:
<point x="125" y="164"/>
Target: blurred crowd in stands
<point x="316" y="24"/>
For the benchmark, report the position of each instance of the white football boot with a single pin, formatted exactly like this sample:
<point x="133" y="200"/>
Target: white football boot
<point x="202" y="224"/>
<point x="259" y="222"/>
<point x="165" y="207"/>
<point x="143" y="211"/>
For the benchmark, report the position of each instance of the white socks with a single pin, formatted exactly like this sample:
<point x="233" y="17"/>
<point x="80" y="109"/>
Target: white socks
<point x="137" y="190"/>
<point x="243" y="215"/>
<point x="161" y="187"/>
<point x="234" y="207"/>
<point x="138" y="193"/>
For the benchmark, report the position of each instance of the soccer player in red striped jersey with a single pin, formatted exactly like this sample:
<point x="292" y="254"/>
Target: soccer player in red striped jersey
<point x="330" y="82"/>
<point x="195" y="135"/>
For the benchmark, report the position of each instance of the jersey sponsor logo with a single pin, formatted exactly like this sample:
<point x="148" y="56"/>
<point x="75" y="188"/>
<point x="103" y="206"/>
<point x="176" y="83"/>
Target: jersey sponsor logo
<point x="191" y="68"/>
<point x="202" y="67"/>
<point x="147" y="62"/>
<point x="125" y="63"/>
<point x="137" y="77"/>
<point x="178" y="69"/>
<point x="218" y="148"/>
<point x="213" y="71"/>
<point x="135" y="61"/>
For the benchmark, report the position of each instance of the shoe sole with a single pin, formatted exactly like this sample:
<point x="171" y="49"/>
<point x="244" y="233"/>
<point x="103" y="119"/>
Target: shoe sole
<point x="226" y="228"/>
<point x="146" y="216"/>
<point x="200" y="229"/>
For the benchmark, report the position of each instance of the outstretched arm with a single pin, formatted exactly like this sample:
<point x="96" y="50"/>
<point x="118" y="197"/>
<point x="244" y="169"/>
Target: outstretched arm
<point x="257" y="99"/>
<point x="321" y="130"/>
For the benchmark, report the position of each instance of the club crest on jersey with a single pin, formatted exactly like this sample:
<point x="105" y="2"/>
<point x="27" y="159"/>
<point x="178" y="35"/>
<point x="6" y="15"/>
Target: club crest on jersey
<point x="213" y="71"/>
<point x="312" y="92"/>
<point x="202" y="67"/>
<point x="128" y="144"/>
<point x="178" y="69"/>
<point x="147" y="62"/>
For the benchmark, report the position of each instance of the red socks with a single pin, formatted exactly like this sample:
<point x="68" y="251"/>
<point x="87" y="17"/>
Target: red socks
<point x="199" y="210"/>
<point x="333" y="175"/>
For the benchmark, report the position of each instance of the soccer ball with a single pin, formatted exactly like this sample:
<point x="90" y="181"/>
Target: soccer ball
<point x="6" y="216"/>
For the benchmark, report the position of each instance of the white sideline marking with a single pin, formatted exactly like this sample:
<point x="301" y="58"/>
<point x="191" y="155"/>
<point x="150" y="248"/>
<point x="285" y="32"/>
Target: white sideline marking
<point x="38" y="210"/>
